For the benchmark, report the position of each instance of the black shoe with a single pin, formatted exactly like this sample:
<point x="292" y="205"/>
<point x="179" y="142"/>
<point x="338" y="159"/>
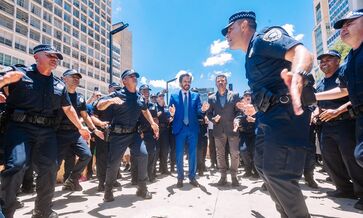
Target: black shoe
<point x="200" y="173"/>
<point x="101" y="187"/>
<point x="359" y="204"/>
<point x="194" y="183"/>
<point x="72" y="185"/>
<point x="255" y="175"/>
<point x="222" y="181"/>
<point x="311" y="183"/>
<point x="172" y="169"/>
<point x="116" y="184"/>
<point x="340" y="194"/>
<point x="247" y="174"/>
<point x="165" y="172"/>
<point x="263" y="187"/>
<point x="328" y="179"/>
<point x="18" y="204"/>
<point x="108" y="196"/>
<point x="28" y="190"/>
<point x="180" y="183"/>
<point x="127" y="167"/>
<point x="235" y="182"/>
<point x="39" y="214"/>
<point x="133" y="182"/>
<point x="145" y="194"/>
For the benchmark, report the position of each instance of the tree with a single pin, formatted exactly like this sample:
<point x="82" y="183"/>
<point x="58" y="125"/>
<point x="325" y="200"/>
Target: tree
<point x="342" y="48"/>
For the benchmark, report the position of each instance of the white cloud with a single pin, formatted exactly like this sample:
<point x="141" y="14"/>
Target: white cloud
<point x="290" y="29"/>
<point x="220" y="59"/>
<point x="158" y="83"/>
<point x="201" y="76"/>
<point x="218" y="47"/>
<point x="212" y="76"/>
<point x="219" y="56"/>
<point x="143" y="80"/>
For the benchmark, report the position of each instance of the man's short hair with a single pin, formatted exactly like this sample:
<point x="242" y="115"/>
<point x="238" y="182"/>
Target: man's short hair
<point x="183" y="75"/>
<point x="221" y="75"/>
<point x="251" y="23"/>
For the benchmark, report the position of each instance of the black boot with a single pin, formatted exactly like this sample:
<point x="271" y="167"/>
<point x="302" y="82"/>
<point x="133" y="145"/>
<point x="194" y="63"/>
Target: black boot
<point x="108" y="196"/>
<point x="143" y="192"/>
<point x="222" y="181"/>
<point x="309" y="179"/>
<point x="72" y="185"/>
<point x="39" y="214"/>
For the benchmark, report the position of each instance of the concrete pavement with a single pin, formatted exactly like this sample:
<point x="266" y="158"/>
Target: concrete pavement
<point x="208" y="201"/>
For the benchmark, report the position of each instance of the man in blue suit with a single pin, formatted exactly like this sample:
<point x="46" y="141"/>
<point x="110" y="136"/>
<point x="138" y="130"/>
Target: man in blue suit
<point x="185" y="108"/>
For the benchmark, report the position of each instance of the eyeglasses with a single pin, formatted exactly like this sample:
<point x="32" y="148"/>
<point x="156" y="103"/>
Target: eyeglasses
<point x="51" y="56"/>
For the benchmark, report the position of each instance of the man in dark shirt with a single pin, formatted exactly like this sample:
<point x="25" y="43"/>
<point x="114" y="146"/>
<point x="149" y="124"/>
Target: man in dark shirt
<point x="126" y="106"/>
<point x="34" y="104"/>
<point x="282" y="136"/>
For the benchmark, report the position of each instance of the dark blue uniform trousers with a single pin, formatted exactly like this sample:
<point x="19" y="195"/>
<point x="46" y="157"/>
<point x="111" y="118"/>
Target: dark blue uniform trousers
<point x="338" y="144"/>
<point x="358" y="152"/>
<point x="279" y="162"/>
<point x="101" y="159"/>
<point x="72" y="141"/>
<point x="164" y="147"/>
<point x="25" y="143"/>
<point x="117" y="147"/>
<point x="151" y="144"/>
<point x="247" y="149"/>
<point x="190" y="137"/>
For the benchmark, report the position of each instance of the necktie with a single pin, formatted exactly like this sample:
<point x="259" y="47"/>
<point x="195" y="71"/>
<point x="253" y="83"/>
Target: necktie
<point x="186" y="112"/>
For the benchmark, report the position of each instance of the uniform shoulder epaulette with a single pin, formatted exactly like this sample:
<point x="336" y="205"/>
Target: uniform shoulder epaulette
<point x="272" y="33"/>
<point x="80" y="97"/>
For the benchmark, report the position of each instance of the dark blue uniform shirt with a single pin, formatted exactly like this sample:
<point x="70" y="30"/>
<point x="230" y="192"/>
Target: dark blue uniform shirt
<point x="105" y="115"/>
<point x="265" y="59"/>
<point x="144" y="123"/>
<point x="128" y="113"/>
<point x="37" y="94"/>
<point x="352" y="76"/>
<point x="327" y="84"/>
<point x="79" y="104"/>
<point x="165" y="114"/>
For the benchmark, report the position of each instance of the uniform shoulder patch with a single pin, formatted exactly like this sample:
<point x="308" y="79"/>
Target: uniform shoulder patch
<point x="272" y="35"/>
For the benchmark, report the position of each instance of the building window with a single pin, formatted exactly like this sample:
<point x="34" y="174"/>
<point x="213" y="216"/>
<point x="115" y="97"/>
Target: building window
<point x="67" y="28"/>
<point x="66" y="50"/>
<point x="90" y="32"/>
<point x="20" y="44"/>
<point x="22" y="29"/>
<point x="6" y="22"/>
<point x="83" y="28"/>
<point x="47" y="29"/>
<point x="67" y="18"/>
<point x="84" y="48"/>
<point x="76" y="13"/>
<point x="58" y="12"/>
<point x="34" y="22"/>
<point x="75" y="44"/>
<point x="59" y="2"/>
<point x="76" y="3"/>
<point x="34" y="35"/>
<point x="75" y="33"/>
<point x="7" y="7"/>
<point x="75" y="23"/>
<point x="23" y="3"/>
<point x="57" y="45"/>
<point x="35" y="10"/>
<point x="75" y="54"/>
<point x="6" y="39"/>
<point x="83" y="58"/>
<point x="48" y="5"/>
<point x="83" y="18"/>
<point x="47" y="16"/>
<point x="67" y="7"/>
<point x="21" y="15"/>
<point x="67" y="39"/>
<point x="46" y="40"/>
<point x="58" y="34"/>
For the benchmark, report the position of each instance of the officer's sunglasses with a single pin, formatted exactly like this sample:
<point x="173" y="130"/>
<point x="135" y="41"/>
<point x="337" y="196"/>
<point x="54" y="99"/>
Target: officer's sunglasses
<point x="51" y="56"/>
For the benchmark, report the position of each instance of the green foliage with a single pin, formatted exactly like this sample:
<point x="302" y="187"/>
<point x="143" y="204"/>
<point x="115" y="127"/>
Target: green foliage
<point x="342" y="48"/>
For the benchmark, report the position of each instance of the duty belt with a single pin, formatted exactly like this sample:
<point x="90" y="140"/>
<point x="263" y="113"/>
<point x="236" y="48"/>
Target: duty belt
<point x="358" y="110"/>
<point x="33" y="119"/>
<point x="117" y="129"/>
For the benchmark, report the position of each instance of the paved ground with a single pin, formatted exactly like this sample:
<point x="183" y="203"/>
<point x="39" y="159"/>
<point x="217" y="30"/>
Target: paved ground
<point x="207" y="201"/>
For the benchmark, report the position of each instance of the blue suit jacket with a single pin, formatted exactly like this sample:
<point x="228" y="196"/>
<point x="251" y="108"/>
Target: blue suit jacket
<point x="195" y="109"/>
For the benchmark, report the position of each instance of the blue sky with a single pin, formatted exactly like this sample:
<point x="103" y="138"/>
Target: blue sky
<point x="173" y="36"/>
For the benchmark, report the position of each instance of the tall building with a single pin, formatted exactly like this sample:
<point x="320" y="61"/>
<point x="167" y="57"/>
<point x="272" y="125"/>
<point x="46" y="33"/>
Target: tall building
<point x="337" y="10"/>
<point x="122" y="51"/>
<point x="77" y="28"/>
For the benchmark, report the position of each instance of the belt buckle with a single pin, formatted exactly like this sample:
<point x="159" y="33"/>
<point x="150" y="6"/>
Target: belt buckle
<point x="284" y="99"/>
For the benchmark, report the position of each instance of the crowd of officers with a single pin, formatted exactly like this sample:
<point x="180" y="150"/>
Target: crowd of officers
<point x="44" y="121"/>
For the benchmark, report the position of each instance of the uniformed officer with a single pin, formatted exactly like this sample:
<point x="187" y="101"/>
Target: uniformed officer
<point x="33" y="105"/>
<point x="69" y="139"/>
<point x="281" y="135"/>
<point x="247" y="138"/>
<point x="126" y="106"/>
<point x="102" y="119"/>
<point x="149" y="138"/>
<point x="164" y="125"/>
<point x="351" y="79"/>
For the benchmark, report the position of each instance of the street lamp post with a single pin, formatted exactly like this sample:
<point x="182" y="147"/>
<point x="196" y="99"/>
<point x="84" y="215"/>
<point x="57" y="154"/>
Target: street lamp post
<point x="167" y="89"/>
<point x="118" y="29"/>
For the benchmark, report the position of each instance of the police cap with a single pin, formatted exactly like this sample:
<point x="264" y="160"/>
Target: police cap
<point x="129" y="72"/>
<point x="238" y="16"/>
<point x="144" y="86"/>
<point x="351" y="15"/>
<point x="48" y="49"/>
<point x="333" y="53"/>
<point x="114" y="85"/>
<point x="72" y="72"/>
